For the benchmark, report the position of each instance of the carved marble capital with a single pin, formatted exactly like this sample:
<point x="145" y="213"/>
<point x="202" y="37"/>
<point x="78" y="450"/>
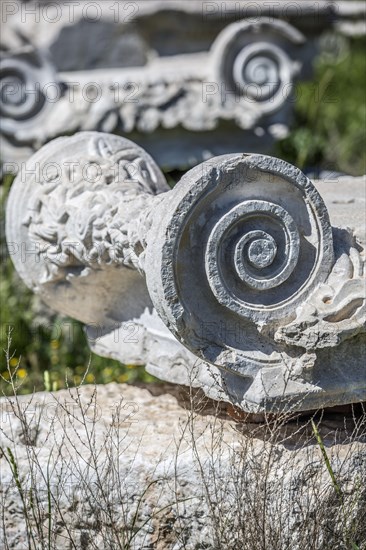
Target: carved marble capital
<point x="169" y="74"/>
<point x="243" y="78"/>
<point x="264" y="300"/>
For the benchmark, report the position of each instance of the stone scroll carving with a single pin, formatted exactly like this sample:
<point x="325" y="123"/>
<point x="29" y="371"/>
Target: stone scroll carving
<point x="26" y="79"/>
<point x="244" y="79"/>
<point x="171" y="75"/>
<point x="264" y="300"/>
<point x="21" y="98"/>
<point x="249" y="59"/>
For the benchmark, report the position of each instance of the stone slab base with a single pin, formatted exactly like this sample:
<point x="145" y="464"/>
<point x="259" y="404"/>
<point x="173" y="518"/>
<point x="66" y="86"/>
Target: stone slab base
<point x="161" y="467"/>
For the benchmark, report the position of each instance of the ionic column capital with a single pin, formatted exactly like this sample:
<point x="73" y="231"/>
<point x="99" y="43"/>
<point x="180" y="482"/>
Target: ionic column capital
<point x="239" y="261"/>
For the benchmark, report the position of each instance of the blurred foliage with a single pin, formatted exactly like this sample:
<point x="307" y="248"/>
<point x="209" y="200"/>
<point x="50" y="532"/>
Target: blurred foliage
<point x="329" y="134"/>
<point x="329" y="131"/>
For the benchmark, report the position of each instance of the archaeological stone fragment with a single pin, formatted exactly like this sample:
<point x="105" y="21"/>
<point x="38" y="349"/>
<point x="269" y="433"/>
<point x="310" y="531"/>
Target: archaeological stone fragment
<point x="234" y="281"/>
<point x="224" y="83"/>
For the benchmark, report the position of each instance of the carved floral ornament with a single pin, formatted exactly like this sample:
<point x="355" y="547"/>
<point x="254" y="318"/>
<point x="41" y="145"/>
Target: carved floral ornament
<point x="239" y="260"/>
<point x="99" y="236"/>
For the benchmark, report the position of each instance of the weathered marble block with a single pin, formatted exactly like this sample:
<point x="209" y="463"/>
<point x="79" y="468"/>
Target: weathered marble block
<point x="185" y="80"/>
<point x="264" y="300"/>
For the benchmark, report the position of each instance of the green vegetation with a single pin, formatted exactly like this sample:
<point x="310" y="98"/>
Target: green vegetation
<point x="330" y="115"/>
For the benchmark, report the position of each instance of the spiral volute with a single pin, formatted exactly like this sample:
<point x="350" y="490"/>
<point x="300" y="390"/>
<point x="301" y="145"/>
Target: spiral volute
<point x="243" y="243"/>
<point x="25" y="81"/>
<point x="252" y="61"/>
